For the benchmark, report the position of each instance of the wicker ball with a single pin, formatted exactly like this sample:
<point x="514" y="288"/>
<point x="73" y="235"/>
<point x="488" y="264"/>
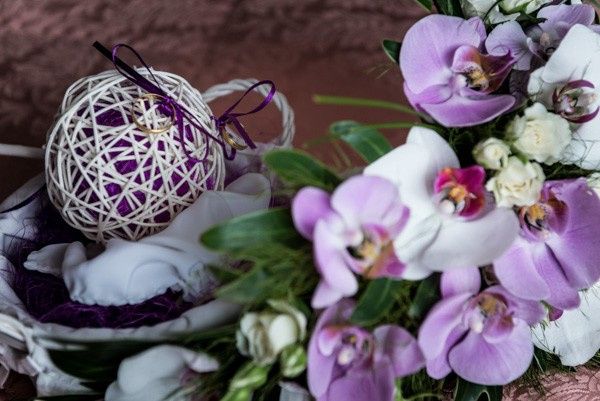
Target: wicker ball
<point x="109" y="176"/>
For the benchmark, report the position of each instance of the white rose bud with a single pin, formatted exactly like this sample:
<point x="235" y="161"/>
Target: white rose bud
<point x="491" y="153"/>
<point x="540" y="135"/>
<point x="262" y="336"/>
<point x="526" y="6"/>
<point x="593" y="182"/>
<point x="517" y="184"/>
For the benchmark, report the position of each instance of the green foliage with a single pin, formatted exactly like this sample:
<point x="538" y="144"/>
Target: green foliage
<point x="369" y="143"/>
<point x="299" y="169"/>
<point x="277" y="272"/>
<point x="466" y="391"/>
<point x="254" y="229"/>
<point x="427" y="295"/>
<point x="362" y="102"/>
<point x="449" y="7"/>
<point x="391" y="47"/>
<point x="96" y="362"/>
<point x="375" y="302"/>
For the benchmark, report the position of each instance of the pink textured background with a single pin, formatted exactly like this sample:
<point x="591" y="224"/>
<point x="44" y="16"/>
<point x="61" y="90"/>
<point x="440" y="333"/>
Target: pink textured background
<point x="305" y="46"/>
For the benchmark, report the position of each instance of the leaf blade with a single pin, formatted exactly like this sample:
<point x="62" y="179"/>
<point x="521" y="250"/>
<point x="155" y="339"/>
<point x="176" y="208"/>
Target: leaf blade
<point x="392" y="48"/>
<point x="299" y="169"/>
<point x="375" y="302"/>
<point x="369" y="143"/>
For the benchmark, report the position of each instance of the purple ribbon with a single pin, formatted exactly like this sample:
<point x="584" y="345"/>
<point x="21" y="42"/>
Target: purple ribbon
<point x="170" y="105"/>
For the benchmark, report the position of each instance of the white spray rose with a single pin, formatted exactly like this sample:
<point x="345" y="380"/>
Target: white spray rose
<point x="492" y="153"/>
<point x="264" y="335"/>
<point x="540" y="135"/>
<point x="517" y="184"/>
<point x="495" y="12"/>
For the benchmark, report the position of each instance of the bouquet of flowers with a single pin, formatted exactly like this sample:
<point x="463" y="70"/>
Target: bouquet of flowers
<point x="448" y="267"/>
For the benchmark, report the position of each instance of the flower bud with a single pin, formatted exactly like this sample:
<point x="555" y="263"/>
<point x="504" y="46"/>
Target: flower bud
<point x="491" y="153"/>
<point x="293" y="361"/>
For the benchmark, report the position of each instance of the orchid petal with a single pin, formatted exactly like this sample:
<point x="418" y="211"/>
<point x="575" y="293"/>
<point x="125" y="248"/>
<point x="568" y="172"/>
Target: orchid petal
<point x="461" y="111"/>
<point x="531" y="312"/>
<point x="438" y="367"/>
<point x="562" y="295"/>
<point x="401" y="348"/>
<point x="375" y="383"/>
<point x="308" y="206"/>
<point x="460" y="281"/>
<point x="473" y="242"/>
<point x="509" y="36"/>
<point x="428" y="48"/>
<point x="500" y="363"/>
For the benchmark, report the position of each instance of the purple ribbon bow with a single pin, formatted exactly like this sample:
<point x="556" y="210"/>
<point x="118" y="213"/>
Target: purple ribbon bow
<point x="179" y="113"/>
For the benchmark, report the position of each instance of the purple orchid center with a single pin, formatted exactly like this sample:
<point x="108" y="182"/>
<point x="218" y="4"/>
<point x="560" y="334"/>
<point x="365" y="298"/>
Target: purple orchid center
<point x="372" y="251"/>
<point x="574" y="101"/>
<point x="352" y="346"/>
<point x="487" y="309"/>
<point x="460" y="191"/>
<point x="480" y="72"/>
<point x="543" y="218"/>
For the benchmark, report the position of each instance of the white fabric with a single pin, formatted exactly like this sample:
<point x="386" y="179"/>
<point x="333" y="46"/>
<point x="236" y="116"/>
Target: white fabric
<point x="130" y="272"/>
<point x="157" y="373"/>
<point x="24" y="341"/>
<point x="574" y="336"/>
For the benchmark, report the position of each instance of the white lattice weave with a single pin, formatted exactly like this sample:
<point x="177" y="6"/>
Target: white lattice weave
<point x="108" y="177"/>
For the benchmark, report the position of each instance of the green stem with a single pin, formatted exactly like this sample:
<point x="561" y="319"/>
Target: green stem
<point x="353" y="101"/>
<point x="402" y="124"/>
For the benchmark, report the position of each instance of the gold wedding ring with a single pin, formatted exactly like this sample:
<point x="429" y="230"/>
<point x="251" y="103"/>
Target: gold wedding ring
<point x="152" y="97"/>
<point x="227" y="138"/>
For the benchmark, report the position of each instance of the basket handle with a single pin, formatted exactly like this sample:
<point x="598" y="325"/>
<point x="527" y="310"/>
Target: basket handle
<point x="241" y="85"/>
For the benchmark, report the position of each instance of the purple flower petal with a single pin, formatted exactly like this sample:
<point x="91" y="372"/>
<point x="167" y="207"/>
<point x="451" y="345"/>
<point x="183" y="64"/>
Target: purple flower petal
<point x="365" y="199"/>
<point x="438" y="367"/>
<point x="376" y="383"/>
<point x="532" y="312"/>
<point x="308" y="206"/>
<point x="562" y="295"/>
<point x="460" y="281"/>
<point x="460" y="111"/>
<point x="497" y="329"/>
<point x="509" y="36"/>
<point x="325" y="296"/>
<point x="320" y="367"/>
<point x="500" y="363"/>
<point x="560" y="18"/>
<point x="441" y="321"/>
<point x="329" y="254"/>
<point x="428" y="48"/>
<point x="517" y="272"/>
<point x="576" y="248"/>
<point x="401" y="348"/>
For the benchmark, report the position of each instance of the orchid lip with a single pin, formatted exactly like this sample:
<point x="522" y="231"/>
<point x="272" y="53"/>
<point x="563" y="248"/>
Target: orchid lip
<point x="573" y="101"/>
<point x="482" y="72"/>
<point x="460" y="192"/>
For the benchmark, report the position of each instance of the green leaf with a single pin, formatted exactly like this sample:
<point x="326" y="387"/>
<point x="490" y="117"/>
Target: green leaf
<point x="250" y="288"/>
<point x="96" y="361"/>
<point x="449" y="7"/>
<point x="426" y="296"/>
<point x="362" y="102"/>
<point x="375" y="302"/>
<point x="254" y="229"/>
<point x="78" y="397"/>
<point x="369" y="143"/>
<point x="466" y="391"/>
<point x="299" y="169"/>
<point x="392" y="48"/>
<point x="427" y="4"/>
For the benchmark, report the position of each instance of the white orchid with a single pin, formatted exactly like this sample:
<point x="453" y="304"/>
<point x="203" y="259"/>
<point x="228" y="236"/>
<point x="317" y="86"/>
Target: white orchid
<point x="574" y="335"/>
<point x="568" y="84"/>
<point x="158" y="373"/>
<point x="452" y="224"/>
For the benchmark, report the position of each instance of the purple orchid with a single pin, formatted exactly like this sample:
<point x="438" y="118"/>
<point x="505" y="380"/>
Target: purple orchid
<point x="346" y="362"/>
<point x="557" y="252"/>
<point x="353" y="232"/>
<point x="531" y="48"/>
<point x="446" y="75"/>
<point x="484" y="337"/>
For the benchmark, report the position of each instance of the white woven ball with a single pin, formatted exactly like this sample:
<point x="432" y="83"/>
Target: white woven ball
<point x="110" y="178"/>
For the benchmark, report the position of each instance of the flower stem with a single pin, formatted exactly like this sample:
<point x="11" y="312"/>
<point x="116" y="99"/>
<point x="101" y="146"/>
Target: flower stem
<point x="352" y="101"/>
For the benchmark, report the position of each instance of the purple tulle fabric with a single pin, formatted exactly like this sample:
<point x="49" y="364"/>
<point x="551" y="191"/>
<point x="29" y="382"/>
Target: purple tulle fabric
<point x="46" y="297"/>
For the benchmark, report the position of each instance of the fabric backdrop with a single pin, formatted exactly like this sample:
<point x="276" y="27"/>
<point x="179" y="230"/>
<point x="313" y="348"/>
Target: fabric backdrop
<point x="305" y="46"/>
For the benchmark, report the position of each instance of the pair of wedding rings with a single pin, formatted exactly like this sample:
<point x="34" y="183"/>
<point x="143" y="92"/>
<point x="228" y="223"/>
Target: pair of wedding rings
<point x="151" y="98"/>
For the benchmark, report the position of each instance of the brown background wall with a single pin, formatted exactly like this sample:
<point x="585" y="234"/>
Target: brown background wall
<point x="305" y="46"/>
